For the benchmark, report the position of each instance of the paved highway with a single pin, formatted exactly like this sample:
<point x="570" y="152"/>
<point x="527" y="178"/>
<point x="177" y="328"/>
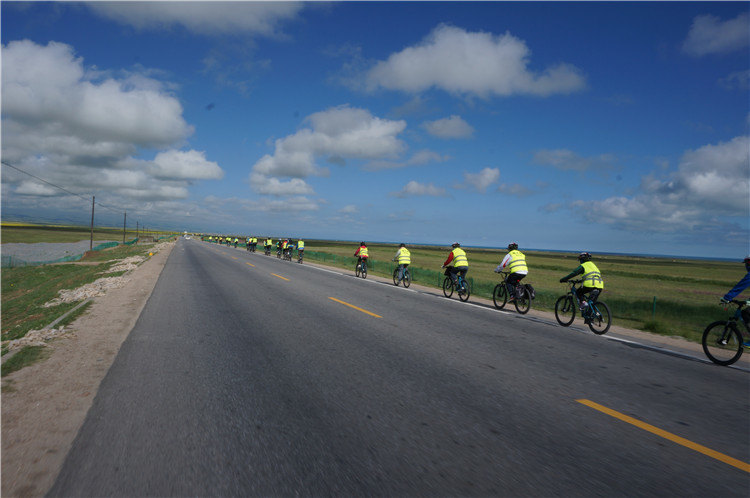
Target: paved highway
<point x="246" y="375"/>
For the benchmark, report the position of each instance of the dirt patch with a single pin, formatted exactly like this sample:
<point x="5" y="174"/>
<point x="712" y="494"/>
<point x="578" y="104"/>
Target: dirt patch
<point x="45" y="404"/>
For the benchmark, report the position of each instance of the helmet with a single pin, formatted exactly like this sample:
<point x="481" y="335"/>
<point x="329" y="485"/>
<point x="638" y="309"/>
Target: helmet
<point x="584" y="256"/>
<point x="456" y="244"/>
<point x="402" y="245"/>
<point x="512" y="246"/>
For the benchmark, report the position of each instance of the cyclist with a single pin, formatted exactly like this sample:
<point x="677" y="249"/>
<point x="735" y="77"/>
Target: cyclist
<point x="403" y="257"/>
<point x="300" y="248"/>
<point x="236" y="240"/>
<point x="592" y="279"/>
<point x="743" y="284"/>
<point x="268" y="245"/>
<point x="457" y="263"/>
<point x="515" y="262"/>
<point x="361" y="253"/>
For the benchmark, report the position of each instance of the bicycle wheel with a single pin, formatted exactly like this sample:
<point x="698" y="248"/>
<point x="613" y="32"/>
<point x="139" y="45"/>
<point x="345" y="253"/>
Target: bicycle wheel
<point x="364" y="270"/>
<point x="357" y="269"/>
<point x="407" y="279"/>
<point x="448" y="287"/>
<point x="463" y="290"/>
<point x="500" y="296"/>
<point x="565" y="310"/>
<point x="523" y="300"/>
<point x="395" y="277"/>
<point x="722" y="343"/>
<point x="600" y="318"/>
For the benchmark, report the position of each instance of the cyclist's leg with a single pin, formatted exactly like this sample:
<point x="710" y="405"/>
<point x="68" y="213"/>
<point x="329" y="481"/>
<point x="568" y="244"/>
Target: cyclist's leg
<point x="511" y="283"/>
<point x="463" y="270"/>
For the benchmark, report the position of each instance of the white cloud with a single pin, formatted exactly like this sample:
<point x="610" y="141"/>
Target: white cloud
<point x="80" y="128"/>
<point x="341" y="132"/>
<point x="452" y="127"/>
<point x="567" y="160"/>
<point x="710" y="35"/>
<point x="470" y="63"/>
<point x="349" y="209"/>
<point x="482" y="180"/>
<point x="252" y="18"/>
<point x="419" y="158"/>
<point x="514" y="189"/>
<point x="739" y="80"/>
<point x="273" y="186"/>
<point x="711" y="183"/>
<point x="415" y="189"/>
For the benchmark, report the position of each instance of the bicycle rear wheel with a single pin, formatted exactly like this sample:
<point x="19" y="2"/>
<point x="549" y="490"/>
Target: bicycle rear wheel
<point x="500" y="296"/>
<point x="407" y="279"/>
<point x="357" y="270"/>
<point x="565" y="310"/>
<point x="364" y="270"/>
<point x="722" y="343"/>
<point x="600" y="318"/>
<point x="447" y="287"/>
<point x="463" y="290"/>
<point x="523" y="300"/>
<point x="395" y="277"/>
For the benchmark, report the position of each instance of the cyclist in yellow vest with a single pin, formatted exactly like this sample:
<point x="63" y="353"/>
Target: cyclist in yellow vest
<point x="592" y="283"/>
<point x="361" y="253"/>
<point x="457" y="263"/>
<point x="514" y="263"/>
<point x="403" y="257"/>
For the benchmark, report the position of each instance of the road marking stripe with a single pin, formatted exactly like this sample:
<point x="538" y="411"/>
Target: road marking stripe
<point x="250" y="264"/>
<point x="668" y="435"/>
<point x="355" y="307"/>
<point x="234" y="257"/>
<point x="282" y="278"/>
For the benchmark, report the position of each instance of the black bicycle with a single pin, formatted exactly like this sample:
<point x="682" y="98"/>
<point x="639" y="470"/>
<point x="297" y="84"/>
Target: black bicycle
<point x="522" y="299"/>
<point x="300" y="255"/>
<point x="361" y="269"/>
<point x="405" y="278"/>
<point x="461" y="286"/>
<point x="595" y="314"/>
<point x="722" y="340"/>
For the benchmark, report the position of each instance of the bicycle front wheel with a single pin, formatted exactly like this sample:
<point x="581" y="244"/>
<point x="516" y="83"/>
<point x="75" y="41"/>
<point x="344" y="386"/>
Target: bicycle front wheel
<point x="447" y="287"/>
<point x="407" y="279"/>
<point x="500" y="296"/>
<point x="565" y="310"/>
<point x="523" y="300"/>
<point x="722" y="343"/>
<point x="600" y="318"/>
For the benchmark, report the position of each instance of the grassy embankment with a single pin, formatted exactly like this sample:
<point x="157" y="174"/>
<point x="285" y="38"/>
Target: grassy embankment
<point x="26" y="289"/>
<point x="686" y="291"/>
<point x="30" y="234"/>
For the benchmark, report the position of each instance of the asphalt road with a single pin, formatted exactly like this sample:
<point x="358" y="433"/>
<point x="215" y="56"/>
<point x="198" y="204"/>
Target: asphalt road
<point x="246" y="375"/>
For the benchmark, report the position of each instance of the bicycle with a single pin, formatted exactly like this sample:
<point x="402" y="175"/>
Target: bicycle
<point x="500" y="295"/>
<point x="361" y="269"/>
<point x="461" y="286"/>
<point x="596" y="315"/>
<point x="300" y="254"/>
<point x="405" y="278"/>
<point x="722" y="340"/>
<point x="287" y="254"/>
<point x="268" y="251"/>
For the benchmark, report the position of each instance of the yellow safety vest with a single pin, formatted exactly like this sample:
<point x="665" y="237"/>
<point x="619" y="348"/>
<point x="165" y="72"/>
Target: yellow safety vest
<point x="300" y="244"/>
<point x="591" y="276"/>
<point x="459" y="258"/>
<point x="283" y="245"/>
<point x="404" y="256"/>
<point x="269" y="242"/>
<point x="518" y="261"/>
<point x="363" y="252"/>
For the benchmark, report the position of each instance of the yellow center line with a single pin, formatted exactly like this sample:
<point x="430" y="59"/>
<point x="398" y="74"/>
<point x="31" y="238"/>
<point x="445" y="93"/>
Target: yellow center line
<point x="668" y="435"/>
<point x="282" y="278"/>
<point x="234" y="257"/>
<point x="355" y="307"/>
<point x="250" y="264"/>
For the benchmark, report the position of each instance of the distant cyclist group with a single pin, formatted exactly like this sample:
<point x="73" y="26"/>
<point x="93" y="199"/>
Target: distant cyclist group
<point x="284" y="247"/>
<point x="583" y="296"/>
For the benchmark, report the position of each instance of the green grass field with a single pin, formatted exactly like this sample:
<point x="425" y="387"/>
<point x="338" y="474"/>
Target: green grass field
<point x="29" y="234"/>
<point x="686" y="291"/>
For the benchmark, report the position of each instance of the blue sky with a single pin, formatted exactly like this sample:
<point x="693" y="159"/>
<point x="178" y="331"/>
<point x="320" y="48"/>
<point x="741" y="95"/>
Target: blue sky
<point x="607" y="127"/>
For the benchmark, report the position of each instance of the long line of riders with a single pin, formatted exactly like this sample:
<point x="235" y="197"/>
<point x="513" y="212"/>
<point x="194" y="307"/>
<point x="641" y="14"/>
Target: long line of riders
<point x="284" y="247"/>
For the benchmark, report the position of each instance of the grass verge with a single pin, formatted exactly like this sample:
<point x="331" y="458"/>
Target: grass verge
<point x="25" y="357"/>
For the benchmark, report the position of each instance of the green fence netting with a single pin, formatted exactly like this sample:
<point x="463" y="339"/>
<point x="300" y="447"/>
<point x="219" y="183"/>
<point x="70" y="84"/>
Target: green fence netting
<point x="15" y="261"/>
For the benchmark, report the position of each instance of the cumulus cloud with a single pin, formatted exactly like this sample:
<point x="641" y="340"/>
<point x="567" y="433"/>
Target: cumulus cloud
<point x="416" y="189"/>
<point x="515" y="189"/>
<point x="473" y="64"/>
<point x="452" y="127"/>
<point x="482" y="180"/>
<point x="341" y="132"/>
<point x="80" y="128"/>
<point x="710" y="35"/>
<point x="210" y="18"/>
<point x="710" y="183"/>
<point x="567" y="160"/>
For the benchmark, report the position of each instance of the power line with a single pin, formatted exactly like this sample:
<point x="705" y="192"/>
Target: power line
<point x="5" y="163"/>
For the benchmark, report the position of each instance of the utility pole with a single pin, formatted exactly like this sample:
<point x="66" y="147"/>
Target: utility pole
<point x="124" y="224"/>
<point x="136" y="229"/>
<point x="91" y="243"/>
